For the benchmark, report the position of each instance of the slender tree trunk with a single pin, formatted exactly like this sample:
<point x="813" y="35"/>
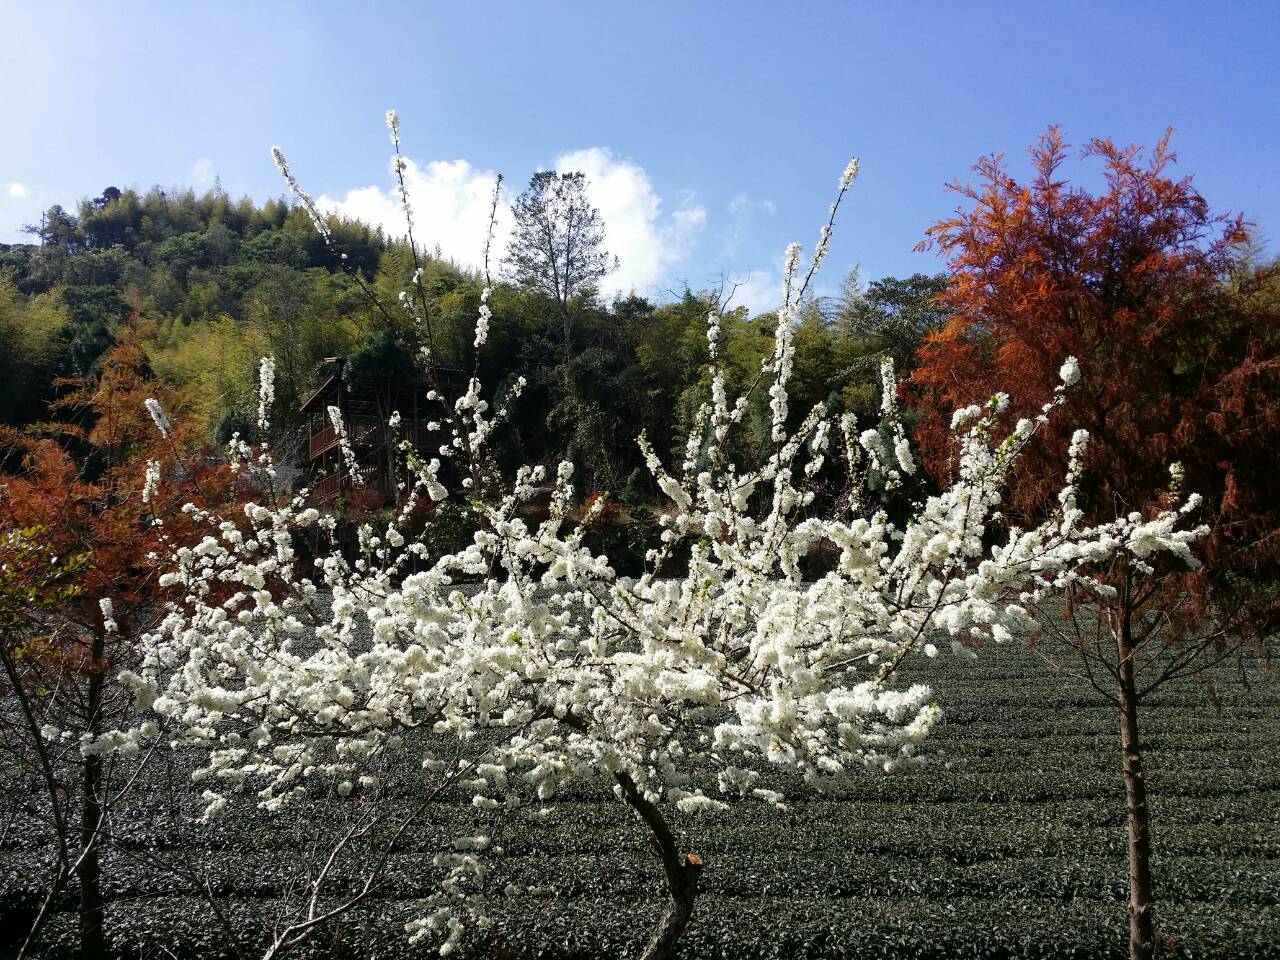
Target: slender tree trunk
<point x="567" y="325"/>
<point x="682" y="875"/>
<point x="1141" y="920"/>
<point x="93" y="944"/>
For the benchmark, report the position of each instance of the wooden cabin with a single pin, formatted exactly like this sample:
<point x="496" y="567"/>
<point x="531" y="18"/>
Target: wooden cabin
<point x="364" y="414"/>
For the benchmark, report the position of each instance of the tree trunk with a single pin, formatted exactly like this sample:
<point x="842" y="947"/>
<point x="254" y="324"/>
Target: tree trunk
<point x="681" y="875"/>
<point x="566" y="324"/>
<point x="675" y="917"/>
<point x="1141" y="920"/>
<point x="93" y="944"/>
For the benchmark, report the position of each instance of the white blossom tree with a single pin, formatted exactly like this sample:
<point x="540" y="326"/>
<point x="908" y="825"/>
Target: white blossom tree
<point x="677" y="688"/>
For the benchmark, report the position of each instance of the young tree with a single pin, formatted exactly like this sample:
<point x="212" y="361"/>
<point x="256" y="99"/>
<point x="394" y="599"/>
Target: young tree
<point x="1181" y="365"/>
<point x="90" y="485"/>
<point x="33" y="583"/>
<point x="891" y="317"/>
<point x="557" y="243"/>
<point x="677" y="688"/>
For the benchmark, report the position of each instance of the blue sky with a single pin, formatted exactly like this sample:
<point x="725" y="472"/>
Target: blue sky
<point x="716" y="131"/>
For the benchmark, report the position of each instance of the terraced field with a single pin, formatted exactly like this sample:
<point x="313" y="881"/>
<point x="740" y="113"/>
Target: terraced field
<point x="1011" y="846"/>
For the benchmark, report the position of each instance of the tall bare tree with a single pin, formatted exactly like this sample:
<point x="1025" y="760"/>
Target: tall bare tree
<point x="557" y="244"/>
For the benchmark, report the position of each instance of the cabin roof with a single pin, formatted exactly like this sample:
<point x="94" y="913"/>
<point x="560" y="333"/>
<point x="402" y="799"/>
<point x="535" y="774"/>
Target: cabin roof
<point x="313" y="402"/>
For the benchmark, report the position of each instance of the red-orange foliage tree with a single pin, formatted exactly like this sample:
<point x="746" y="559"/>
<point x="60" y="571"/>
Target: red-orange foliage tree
<point x="80" y="484"/>
<point x="1180" y="355"/>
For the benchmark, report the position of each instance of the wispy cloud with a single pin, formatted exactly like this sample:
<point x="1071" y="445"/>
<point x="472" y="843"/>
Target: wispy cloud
<point x="202" y="172"/>
<point x="742" y="204"/>
<point x="744" y="216"/>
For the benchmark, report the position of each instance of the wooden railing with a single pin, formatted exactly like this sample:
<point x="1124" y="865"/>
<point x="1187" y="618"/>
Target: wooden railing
<point x="326" y="489"/>
<point x="329" y="488"/>
<point x="322" y="440"/>
<point x="370" y="475"/>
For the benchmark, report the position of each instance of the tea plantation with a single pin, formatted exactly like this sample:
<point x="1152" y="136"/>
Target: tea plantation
<point x="1011" y="846"/>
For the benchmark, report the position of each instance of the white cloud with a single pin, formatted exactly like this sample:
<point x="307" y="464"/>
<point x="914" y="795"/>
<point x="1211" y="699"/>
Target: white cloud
<point x="450" y="201"/>
<point x="202" y="172"/>
<point x="18" y="191"/>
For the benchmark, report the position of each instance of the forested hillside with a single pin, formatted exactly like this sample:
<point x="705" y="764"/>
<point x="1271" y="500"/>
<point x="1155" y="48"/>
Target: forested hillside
<point x="215" y="283"/>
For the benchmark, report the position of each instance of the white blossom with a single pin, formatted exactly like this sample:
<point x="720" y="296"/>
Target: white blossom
<point x="157" y="414"/>
<point x="308" y="204"/>
<point x="108" y="615"/>
<point x="266" y="390"/>
<point x="553" y="669"/>
<point x="344" y="444"/>
<point x="850" y="173"/>
<point x="151" y="481"/>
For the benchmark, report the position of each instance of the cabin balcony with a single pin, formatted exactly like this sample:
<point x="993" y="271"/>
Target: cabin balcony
<point x="326" y="489"/>
<point x="362" y="432"/>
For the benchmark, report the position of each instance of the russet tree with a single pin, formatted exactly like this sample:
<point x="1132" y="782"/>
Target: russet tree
<point x="1180" y="353"/>
<point x="85" y="487"/>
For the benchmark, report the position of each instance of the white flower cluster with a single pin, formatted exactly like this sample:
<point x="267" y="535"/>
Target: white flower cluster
<point x="157" y="415"/>
<point x="108" y="609"/>
<point x="482" y="321"/>
<point x="266" y="390"/>
<point x="886" y="449"/>
<point x="151" y="481"/>
<point x="685" y="682"/>
<point x="344" y="443"/>
<point x="399" y="164"/>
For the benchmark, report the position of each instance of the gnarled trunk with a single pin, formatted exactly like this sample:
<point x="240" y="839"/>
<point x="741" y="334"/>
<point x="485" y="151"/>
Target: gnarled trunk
<point x="675" y="916"/>
<point x="682" y="873"/>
